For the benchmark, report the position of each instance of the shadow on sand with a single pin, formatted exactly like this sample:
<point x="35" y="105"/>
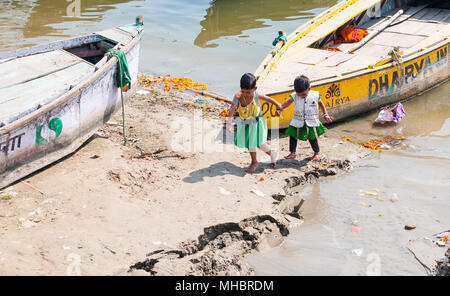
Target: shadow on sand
<point x="227" y="168"/>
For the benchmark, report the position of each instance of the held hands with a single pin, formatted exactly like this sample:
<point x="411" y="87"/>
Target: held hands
<point x="279" y="109"/>
<point x="328" y="118"/>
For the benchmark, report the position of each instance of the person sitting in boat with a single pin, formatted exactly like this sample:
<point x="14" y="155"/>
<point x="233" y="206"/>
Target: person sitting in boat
<point x="281" y="37"/>
<point x="251" y="125"/>
<point x="305" y="124"/>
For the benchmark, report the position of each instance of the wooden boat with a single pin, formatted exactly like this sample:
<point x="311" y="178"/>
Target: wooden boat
<point x="406" y="52"/>
<point x="54" y="97"/>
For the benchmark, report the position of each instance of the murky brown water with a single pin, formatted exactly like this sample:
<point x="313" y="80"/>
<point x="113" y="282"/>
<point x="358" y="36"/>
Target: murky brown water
<point x="417" y="172"/>
<point x="217" y="41"/>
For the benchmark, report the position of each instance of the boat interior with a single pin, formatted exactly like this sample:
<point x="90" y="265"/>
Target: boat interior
<point x="403" y="26"/>
<point x="31" y="78"/>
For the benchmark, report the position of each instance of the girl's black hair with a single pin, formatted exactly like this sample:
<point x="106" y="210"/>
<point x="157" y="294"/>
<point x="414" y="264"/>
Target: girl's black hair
<point x="248" y="81"/>
<point x="301" y="83"/>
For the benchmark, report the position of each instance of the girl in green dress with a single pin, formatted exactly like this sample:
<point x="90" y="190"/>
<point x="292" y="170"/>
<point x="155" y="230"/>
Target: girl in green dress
<point x="305" y="125"/>
<point x="251" y="125"/>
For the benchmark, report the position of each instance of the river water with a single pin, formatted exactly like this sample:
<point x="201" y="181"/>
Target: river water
<point x="216" y="42"/>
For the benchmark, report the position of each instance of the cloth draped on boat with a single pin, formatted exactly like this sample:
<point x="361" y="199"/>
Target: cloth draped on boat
<point x="123" y="77"/>
<point x="351" y="34"/>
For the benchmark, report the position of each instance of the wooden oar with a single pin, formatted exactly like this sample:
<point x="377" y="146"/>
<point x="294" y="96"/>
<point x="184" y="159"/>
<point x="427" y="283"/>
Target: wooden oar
<point x="374" y="33"/>
<point x="206" y="94"/>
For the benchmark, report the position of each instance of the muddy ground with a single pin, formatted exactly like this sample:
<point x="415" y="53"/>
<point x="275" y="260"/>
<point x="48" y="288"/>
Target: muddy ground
<point x="147" y="208"/>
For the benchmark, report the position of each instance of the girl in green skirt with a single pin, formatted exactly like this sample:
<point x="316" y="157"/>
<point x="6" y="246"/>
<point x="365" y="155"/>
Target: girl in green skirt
<point x="305" y="125"/>
<point x="251" y="125"/>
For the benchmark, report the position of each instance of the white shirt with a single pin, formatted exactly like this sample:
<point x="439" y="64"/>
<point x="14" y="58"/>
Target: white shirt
<point x="306" y="110"/>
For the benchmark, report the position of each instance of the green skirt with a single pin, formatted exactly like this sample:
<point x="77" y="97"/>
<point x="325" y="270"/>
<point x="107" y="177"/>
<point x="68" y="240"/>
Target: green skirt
<point x="251" y="135"/>
<point x="306" y="133"/>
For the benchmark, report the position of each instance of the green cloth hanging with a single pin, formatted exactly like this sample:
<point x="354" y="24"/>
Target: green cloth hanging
<point x="123" y="74"/>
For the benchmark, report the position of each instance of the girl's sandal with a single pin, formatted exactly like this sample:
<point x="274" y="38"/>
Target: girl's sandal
<point x="290" y="156"/>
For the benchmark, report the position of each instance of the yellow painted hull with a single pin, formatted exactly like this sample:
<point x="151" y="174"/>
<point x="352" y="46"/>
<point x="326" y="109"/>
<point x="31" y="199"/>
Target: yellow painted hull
<point x="369" y="89"/>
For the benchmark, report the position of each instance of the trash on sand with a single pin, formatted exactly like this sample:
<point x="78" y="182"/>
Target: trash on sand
<point x="66" y="247"/>
<point x="394" y="197"/>
<point x="6" y="197"/>
<point x="388" y="114"/>
<point x="142" y="92"/>
<point x="440" y="243"/>
<point x="356" y="229"/>
<point x="257" y="192"/>
<point x="157" y="243"/>
<point x="200" y="100"/>
<point x="443" y="236"/>
<point x="46" y="201"/>
<point x="373" y="192"/>
<point x="27" y="223"/>
<point x="358" y="252"/>
<point x="410" y="226"/>
<point x="224" y="191"/>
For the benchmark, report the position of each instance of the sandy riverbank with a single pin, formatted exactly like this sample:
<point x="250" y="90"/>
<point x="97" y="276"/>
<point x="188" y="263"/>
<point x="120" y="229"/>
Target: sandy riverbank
<point x="107" y="207"/>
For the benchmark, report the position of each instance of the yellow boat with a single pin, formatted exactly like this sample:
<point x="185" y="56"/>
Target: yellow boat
<point x="405" y="53"/>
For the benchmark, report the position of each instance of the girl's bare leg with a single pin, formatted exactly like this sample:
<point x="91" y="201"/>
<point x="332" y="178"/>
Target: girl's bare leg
<point x="254" y="165"/>
<point x="273" y="154"/>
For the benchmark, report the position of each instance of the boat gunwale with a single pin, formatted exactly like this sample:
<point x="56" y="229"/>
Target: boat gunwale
<point x="34" y="50"/>
<point x="73" y="92"/>
<point x="364" y="71"/>
<point x="265" y="67"/>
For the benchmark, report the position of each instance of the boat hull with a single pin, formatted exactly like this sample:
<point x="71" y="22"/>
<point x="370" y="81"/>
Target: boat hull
<point x="63" y="126"/>
<point x="369" y="89"/>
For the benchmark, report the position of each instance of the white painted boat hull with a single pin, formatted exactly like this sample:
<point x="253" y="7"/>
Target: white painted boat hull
<point x="56" y="130"/>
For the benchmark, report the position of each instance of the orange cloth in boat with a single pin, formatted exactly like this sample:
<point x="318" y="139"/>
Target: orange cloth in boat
<point x="330" y="48"/>
<point x="353" y="34"/>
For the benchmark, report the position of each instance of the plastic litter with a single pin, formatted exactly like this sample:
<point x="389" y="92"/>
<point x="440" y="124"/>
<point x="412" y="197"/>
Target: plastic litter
<point x="356" y="229"/>
<point x="358" y="252"/>
<point x="27" y="223"/>
<point x="257" y="192"/>
<point x="142" y="92"/>
<point x="388" y="114"/>
<point x="394" y="197"/>
<point x="224" y="191"/>
<point x="440" y="243"/>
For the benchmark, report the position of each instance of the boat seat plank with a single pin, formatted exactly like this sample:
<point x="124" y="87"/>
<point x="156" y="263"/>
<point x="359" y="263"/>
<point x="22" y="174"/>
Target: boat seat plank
<point x="20" y="100"/>
<point x="396" y="39"/>
<point x="430" y="13"/>
<point x="314" y="57"/>
<point x="29" y="67"/>
<point x="374" y="50"/>
<point x="415" y="28"/>
<point x="337" y="59"/>
<point x="442" y="16"/>
<point x="116" y="35"/>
